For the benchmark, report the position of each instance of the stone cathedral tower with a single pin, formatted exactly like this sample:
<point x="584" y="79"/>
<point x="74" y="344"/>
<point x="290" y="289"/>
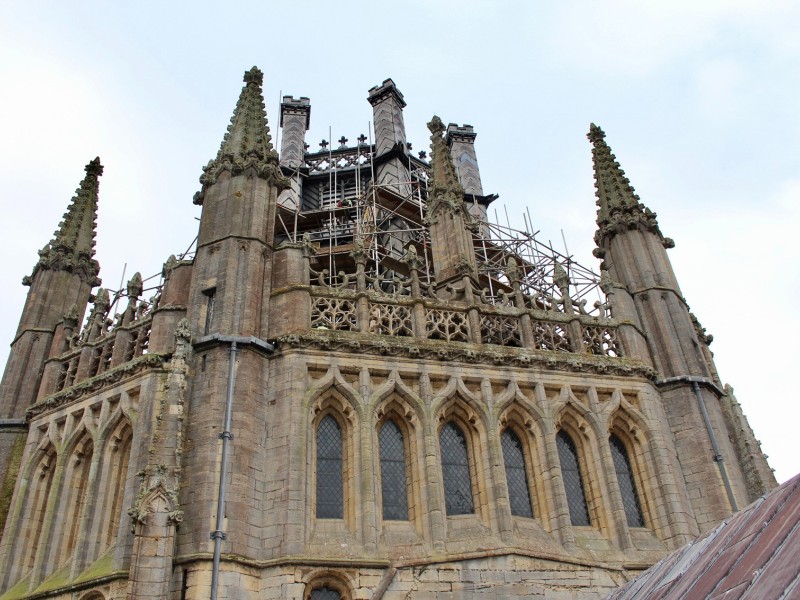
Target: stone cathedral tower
<point x="357" y="386"/>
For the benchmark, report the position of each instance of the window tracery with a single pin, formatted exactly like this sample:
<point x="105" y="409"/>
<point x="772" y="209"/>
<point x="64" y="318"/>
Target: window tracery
<point x="330" y="481"/>
<point x="626" y="482"/>
<point x="519" y="494"/>
<point x="456" y="471"/>
<point x="573" y="479"/>
<point x="394" y="474"/>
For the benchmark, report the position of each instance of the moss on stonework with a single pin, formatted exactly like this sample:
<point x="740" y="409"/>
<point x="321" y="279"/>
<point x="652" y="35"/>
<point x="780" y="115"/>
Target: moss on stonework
<point x="57" y="580"/>
<point x="18" y="591"/>
<point x="100" y="568"/>
<point x="10" y="481"/>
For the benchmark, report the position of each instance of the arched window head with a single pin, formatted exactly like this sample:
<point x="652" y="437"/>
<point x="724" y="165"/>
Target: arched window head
<point x="455" y="471"/>
<point x="519" y="493"/>
<point x="627" y="485"/>
<point x="573" y="480"/>
<point x="330" y="483"/>
<point x="394" y="481"/>
<point x="325" y="593"/>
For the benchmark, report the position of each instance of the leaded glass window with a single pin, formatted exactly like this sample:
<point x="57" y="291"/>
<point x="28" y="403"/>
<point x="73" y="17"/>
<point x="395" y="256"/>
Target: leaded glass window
<point x="455" y="471"/>
<point x="519" y="494"/>
<point x="330" y="484"/>
<point x="394" y="485"/>
<point x="627" y="485"/>
<point x="325" y="593"/>
<point x="573" y="481"/>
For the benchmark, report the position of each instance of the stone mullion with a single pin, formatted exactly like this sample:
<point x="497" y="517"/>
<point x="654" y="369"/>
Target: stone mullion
<point x="560" y="504"/>
<point x="615" y="507"/>
<point x="49" y="523"/>
<point x="502" y="518"/>
<point x="436" y="516"/>
<point x="370" y="530"/>
<point x="89" y="526"/>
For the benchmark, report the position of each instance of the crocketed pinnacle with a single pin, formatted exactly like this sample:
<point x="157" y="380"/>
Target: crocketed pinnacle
<point x="619" y="207"/>
<point x="72" y="247"/>
<point x="443" y="174"/>
<point x="247" y="142"/>
<point x="444" y="190"/>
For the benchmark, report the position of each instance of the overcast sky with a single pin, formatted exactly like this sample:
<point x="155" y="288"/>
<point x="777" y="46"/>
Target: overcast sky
<point x="700" y="101"/>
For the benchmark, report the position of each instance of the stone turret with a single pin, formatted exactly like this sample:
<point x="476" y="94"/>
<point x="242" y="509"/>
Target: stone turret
<point x="390" y="138"/>
<point x="240" y="187"/>
<point x="61" y="282"/>
<point x="644" y="292"/>
<point x="60" y="287"/>
<point x="230" y="300"/>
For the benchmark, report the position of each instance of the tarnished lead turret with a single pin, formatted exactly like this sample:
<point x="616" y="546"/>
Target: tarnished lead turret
<point x="390" y="138"/>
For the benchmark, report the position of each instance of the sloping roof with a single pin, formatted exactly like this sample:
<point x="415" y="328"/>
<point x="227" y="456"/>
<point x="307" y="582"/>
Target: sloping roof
<point x="754" y="554"/>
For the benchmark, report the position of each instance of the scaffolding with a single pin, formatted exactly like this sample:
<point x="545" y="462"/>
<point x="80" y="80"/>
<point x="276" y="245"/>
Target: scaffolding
<point x="353" y="209"/>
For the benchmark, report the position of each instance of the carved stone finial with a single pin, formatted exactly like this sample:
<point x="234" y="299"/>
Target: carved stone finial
<point x="595" y="134"/>
<point x="172" y="261"/>
<point x="254" y="75"/>
<point x="560" y="278"/>
<point x="135" y="286"/>
<point x="512" y="270"/>
<point x="102" y="300"/>
<point x="412" y="259"/>
<point x="436" y="125"/>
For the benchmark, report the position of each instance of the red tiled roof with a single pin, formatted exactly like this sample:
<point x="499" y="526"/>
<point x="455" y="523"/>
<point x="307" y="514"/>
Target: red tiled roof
<point x="755" y="554"/>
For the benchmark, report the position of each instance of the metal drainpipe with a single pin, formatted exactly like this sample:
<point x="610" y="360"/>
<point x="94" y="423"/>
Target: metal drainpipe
<point x="218" y="535"/>
<point x="717" y="455"/>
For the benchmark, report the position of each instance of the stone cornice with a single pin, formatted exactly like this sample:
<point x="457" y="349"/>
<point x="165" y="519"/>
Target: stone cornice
<point x="97" y="383"/>
<point x="501" y="356"/>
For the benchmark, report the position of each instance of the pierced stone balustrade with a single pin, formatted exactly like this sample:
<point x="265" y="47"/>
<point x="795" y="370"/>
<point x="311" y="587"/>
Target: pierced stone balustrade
<point x="337" y="309"/>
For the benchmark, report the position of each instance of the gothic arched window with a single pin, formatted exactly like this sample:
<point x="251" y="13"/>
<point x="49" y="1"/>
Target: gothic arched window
<point x="519" y="493"/>
<point x="455" y="471"/>
<point x="330" y="483"/>
<point x="394" y="484"/>
<point x="627" y="485"/>
<point x="573" y="480"/>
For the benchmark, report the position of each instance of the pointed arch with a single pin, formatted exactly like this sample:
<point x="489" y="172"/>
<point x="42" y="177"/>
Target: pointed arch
<point x="463" y="457"/>
<point x="576" y="436"/>
<point x="40" y="476"/>
<point x="627" y="438"/>
<point x="519" y="433"/>
<point x="79" y="452"/>
<point x="573" y="478"/>
<point x="334" y="426"/>
<point x="333" y="384"/>
<point x="113" y="479"/>
<point x="397" y="427"/>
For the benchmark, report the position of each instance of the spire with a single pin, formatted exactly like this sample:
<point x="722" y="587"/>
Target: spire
<point x="619" y="207"/>
<point x="247" y="142"/>
<point x="72" y="247"/>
